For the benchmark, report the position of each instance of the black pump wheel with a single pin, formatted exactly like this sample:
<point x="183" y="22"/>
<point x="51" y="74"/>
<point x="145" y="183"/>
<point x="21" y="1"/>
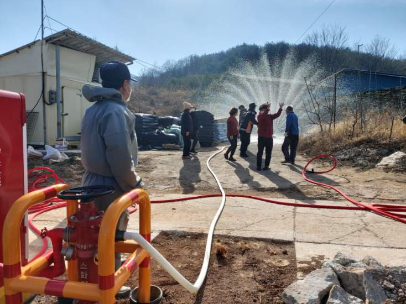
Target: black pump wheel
<point x="85" y="193"/>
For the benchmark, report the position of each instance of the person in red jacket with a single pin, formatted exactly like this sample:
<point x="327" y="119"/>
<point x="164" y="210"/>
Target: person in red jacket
<point x="232" y="134"/>
<point x="265" y="132"/>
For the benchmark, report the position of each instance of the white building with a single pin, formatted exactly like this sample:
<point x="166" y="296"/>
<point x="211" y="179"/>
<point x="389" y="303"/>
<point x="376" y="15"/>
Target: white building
<point x="80" y="57"/>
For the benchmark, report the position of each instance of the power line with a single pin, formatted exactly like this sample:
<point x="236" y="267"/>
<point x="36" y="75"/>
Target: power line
<point x="315" y="21"/>
<point x="49" y="23"/>
<point x="148" y="64"/>
<point x="61" y="23"/>
<point x="147" y="67"/>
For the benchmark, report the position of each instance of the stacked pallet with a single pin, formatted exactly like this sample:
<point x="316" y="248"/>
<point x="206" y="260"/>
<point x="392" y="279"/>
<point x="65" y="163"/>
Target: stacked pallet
<point x="206" y="128"/>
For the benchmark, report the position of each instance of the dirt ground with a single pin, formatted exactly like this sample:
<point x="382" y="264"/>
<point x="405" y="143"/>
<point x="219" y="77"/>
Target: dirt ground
<point x="241" y="270"/>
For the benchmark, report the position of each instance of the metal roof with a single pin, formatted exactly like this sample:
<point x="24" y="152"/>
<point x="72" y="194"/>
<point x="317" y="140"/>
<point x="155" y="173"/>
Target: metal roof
<point x="78" y="42"/>
<point x="353" y="81"/>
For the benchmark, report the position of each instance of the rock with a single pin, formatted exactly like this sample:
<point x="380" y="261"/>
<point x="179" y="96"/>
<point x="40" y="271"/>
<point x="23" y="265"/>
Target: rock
<point x="351" y="278"/>
<point x="332" y="265"/>
<point x="383" y="152"/>
<point x="312" y="289"/>
<point x="352" y="281"/>
<point x="358" y="265"/>
<point x="340" y="296"/>
<point x="342" y="259"/>
<point x="391" y="161"/>
<point x="388" y="285"/>
<point x="374" y="292"/>
<point x="371" y="262"/>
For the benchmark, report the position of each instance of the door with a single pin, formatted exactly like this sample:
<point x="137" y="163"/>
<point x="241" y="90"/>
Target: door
<point x="71" y="111"/>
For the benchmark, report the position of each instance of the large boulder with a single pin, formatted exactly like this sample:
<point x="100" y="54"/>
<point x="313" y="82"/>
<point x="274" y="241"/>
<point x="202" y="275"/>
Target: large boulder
<point x="351" y="277"/>
<point x="371" y="262"/>
<point x="374" y="292"/>
<point x="342" y="259"/>
<point x="312" y="289"/>
<point x="391" y="161"/>
<point x="340" y="296"/>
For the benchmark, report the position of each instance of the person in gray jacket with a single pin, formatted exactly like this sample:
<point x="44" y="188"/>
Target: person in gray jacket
<point x="108" y="140"/>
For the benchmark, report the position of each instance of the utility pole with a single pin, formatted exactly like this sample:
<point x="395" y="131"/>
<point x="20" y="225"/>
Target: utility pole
<point x="43" y="75"/>
<point x="359" y="89"/>
<point x="335" y="101"/>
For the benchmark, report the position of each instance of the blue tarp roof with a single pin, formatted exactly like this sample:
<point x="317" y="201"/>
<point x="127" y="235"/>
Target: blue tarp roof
<point x="357" y="81"/>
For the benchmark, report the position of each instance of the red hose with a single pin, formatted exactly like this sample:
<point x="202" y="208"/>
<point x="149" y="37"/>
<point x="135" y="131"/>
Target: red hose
<point x="390" y="211"/>
<point x="379" y="209"/>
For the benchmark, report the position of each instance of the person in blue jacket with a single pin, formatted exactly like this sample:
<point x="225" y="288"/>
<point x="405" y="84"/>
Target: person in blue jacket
<point x="291" y="136"/>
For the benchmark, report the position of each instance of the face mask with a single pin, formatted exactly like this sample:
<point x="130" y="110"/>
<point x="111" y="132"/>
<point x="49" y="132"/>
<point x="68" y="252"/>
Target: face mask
<point x="129" y="93"/>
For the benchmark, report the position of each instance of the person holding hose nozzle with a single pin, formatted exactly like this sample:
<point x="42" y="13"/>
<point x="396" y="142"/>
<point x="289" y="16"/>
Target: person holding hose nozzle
<point x="265" y="132"/>
<point x="246" y="129"/>
<point x="232" y="134"/>
<point x="186" y="129"/>
<point x="109" y="143"/>
<point x="291" y="136"/>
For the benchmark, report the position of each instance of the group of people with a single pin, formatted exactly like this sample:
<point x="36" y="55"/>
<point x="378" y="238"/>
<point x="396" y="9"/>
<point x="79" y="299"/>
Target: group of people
<point x="264" y="121"/>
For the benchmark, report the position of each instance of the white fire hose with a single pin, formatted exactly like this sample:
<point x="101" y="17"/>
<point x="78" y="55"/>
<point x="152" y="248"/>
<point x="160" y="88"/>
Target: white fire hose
<point x="193" y="288"/>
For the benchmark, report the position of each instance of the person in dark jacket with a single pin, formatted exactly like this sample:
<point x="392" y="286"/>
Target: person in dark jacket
<point x="246" y="129"/>
<point x="243" y="111"/>
<point x="265" y="132"/>
<point x="195" y="133"/>
<point x="109" y="142"/>
<point x="232" y="134"/>
<point x="291" y="136"/>
<point x="186" y="129"/>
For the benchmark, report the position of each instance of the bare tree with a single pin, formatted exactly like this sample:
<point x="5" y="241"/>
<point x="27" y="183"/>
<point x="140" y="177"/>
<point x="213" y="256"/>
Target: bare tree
<point x="331" y="39"/>
<point x="333" y="36"/>
<point x="381" y="47"/>
<point x="383" y="53"/>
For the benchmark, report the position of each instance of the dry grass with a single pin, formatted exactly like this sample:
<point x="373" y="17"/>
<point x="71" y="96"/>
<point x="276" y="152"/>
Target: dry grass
<point x="376" y="134"/>
<point x="159" y="101"/>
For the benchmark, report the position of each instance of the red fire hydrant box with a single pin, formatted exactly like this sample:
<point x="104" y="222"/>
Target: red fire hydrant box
<point x="13" y="162"/>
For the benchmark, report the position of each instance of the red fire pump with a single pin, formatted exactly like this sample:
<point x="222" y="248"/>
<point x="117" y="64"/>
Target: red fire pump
<point x="81" y="234"/>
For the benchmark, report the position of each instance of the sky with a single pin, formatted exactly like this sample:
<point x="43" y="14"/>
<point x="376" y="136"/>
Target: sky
<point x="159" y="30"/>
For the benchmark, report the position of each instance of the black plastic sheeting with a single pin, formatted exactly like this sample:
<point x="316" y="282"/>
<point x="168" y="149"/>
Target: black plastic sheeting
<point x="167" y="121"/>
<point x="150" y="135"/>
<point x="206" y="128"/>
<point x="149" y="132"/>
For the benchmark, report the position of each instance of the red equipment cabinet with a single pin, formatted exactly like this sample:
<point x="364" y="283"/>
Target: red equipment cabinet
<point x="13" y="163"/>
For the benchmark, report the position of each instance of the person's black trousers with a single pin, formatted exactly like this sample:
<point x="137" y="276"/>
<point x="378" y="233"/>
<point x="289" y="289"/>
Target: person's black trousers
<point x="291" y="141"/>
<point x="245" y="141"/>
<point x="186" y="145"/>
<point x="267" y="144"/>
<point x="231" y="149"/>
<point x="195" y="140"/>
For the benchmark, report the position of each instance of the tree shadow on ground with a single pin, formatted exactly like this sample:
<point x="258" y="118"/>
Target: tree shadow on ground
<point x="189" y="174"/>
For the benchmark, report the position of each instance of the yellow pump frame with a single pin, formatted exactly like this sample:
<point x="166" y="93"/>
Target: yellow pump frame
<point x="18" y="280"/>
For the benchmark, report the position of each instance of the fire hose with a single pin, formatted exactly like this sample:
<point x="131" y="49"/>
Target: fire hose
<point x="394" y="212"/>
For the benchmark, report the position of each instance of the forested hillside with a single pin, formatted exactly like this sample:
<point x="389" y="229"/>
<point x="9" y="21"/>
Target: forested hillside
<point x="191" y="77"/>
